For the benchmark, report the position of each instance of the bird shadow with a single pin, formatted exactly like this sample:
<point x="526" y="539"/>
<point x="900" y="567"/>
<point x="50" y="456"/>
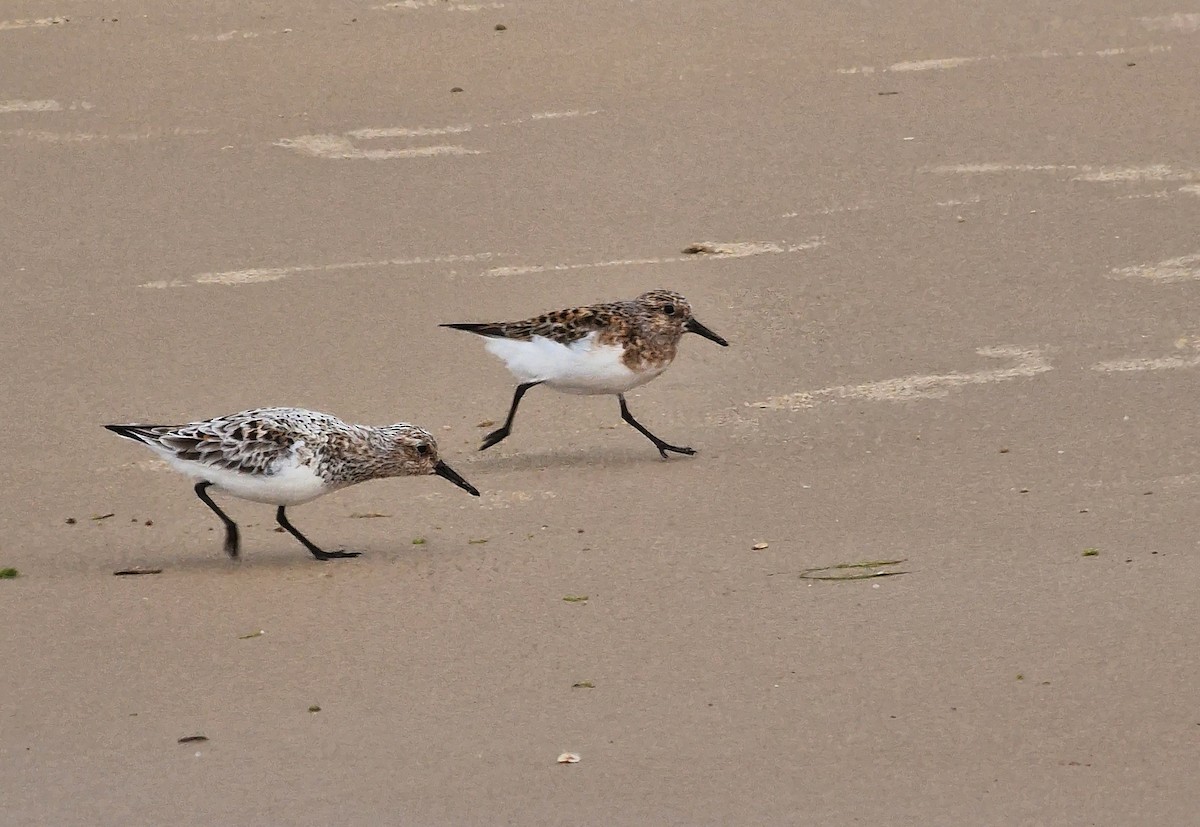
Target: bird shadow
<point x="212" y="560"/>
<point x="297" y="561"/>
<point x="592" y="458"/>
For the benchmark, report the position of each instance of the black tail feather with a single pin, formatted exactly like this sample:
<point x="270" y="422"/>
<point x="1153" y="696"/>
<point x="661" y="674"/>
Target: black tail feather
<point x="138" y="433"/>
<point x="481" y="328"/>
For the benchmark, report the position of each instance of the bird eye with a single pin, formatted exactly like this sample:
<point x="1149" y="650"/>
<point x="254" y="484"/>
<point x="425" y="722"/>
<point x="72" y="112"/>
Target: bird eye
<point x="669" y="309"/>
<point x="423" y="449"/>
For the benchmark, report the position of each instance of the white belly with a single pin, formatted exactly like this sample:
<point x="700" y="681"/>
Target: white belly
<point x="582" y="367"/>
<point x="290" y="485"/>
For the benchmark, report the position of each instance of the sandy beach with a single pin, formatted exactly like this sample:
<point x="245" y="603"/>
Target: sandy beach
<point x="954" y="249"/>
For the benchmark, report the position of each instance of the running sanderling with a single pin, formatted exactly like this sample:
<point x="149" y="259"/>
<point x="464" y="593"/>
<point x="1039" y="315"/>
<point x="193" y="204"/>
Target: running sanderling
<point x="599" y="349"/>
<point x="288" y="456"/>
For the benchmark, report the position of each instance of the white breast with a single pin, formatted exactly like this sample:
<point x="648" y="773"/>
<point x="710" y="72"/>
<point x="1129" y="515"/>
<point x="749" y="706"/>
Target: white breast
<point x="582" y="367"/>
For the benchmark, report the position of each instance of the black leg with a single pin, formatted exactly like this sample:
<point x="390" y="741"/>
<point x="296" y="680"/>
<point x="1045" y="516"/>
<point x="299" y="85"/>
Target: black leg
<point x="662" y="447"/>
<point x="233" y="542"/>
<point x="503" y="431"/>
<point x="281" y="518"/>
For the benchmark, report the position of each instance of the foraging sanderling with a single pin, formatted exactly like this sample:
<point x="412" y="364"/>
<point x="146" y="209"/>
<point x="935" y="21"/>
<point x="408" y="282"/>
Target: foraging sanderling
<point x="599" y="349"/>
<point x="289" y="456"/>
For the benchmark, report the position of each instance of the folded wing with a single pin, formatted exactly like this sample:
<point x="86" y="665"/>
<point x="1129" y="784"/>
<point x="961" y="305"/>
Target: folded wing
<point x="216" y="444"/>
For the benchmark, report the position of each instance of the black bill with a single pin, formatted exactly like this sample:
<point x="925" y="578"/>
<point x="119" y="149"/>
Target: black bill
<point x="444" y="470"/>
<point x="693" y="326"/>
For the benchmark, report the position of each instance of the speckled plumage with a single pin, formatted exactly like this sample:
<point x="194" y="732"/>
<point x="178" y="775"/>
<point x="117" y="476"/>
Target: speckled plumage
<point x="260" y="442"/>
<point x="607" y="348"/>
<point x="648" y="335"/>
<point x="288" y="456"/>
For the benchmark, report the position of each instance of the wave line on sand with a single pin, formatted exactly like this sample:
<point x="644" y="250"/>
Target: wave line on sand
<point x="1026" y="363"/>
<point x="710" y="250"/>
<point x="258" y="275"/>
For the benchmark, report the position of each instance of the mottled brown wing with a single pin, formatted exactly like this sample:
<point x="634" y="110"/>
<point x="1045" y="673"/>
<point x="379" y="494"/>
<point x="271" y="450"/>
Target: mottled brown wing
<point x="241" y="448"/>
<point x="562" y="326"/>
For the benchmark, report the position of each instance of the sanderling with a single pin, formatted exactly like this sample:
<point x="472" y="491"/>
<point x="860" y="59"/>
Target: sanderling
<point x="288" y="456"/>
<point x="599" y="349"/>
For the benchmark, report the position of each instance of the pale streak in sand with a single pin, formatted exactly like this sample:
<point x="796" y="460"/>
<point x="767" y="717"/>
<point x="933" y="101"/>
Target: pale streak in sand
<point x="30" y="106"/>
<point x="942" y="63"/>
<point x="1026" y="363"/>
<point x="338" y="147"/>
<point x="832" y="210"/>
<point x="38" y="23"/>
<point x="871" y="205"/>
<point x="1183" y="268"/>
<point x="224" y="37"/>
<point x="1186" y="23"/>
<point x="257" y="275"/>
<point x="1079" y="172"/>
<point x="412" y="5"/>
<point x="1189" y="189"/>
<point x="1173" y="362"/>
<point x="343" y="147"/>
<point x="93" y="137"/>
<point x="1162" y="363"/>
<point x="1139" y="196"/>
<point x="42" y="106"/>
<point x="736" y="249"/>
